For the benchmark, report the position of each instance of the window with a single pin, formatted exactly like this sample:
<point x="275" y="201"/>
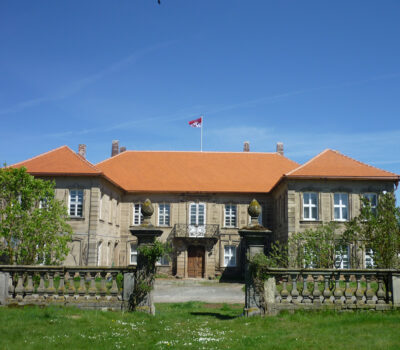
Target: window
<point x="76" y="203"/>
<point x="43" y="203"/>
<point x="373" y="200"/>
<point x="369" y="258"/>
<point x="133" y="255"/>
<point x="229" y="256"/>
<point x="163" y="214"/>
<point x="164" y="260"/>
<point x="197" y="214"/>
<point x="342" y="257"/>
<point x="99" y="246"/>
<point x="137" y="214"/>
<point x="310" y="206"/>
<point x="340" y="204"/>
<point x="230" y="215"/>
<point x="310" y="258"/>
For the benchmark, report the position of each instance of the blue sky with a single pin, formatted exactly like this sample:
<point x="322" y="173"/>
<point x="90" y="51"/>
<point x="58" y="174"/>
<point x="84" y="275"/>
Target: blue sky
<point x="312" y="74"/>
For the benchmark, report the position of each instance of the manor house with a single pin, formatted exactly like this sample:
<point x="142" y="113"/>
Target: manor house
<point x="200" y="201"/>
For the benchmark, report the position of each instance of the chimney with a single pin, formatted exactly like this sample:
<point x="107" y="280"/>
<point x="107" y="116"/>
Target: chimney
<point x="246" y="146"/>
<point x="279" y="148"/>
<point x="82" y="150"/>
<point x="122" y="149"/>
<point x="114" y="148"/>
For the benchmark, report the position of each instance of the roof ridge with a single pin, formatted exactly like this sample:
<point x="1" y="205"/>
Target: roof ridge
<point x="362" y="163"/>
<point x="39" y="155"/>
<point x="199" y="152"/>
<point x="309" y="161"/>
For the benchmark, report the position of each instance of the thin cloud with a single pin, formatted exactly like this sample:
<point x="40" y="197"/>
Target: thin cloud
<point x="80" y="84"/>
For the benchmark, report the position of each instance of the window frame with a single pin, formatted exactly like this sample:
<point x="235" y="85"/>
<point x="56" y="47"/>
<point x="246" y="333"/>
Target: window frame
<point x="343" y="257"/>
<point x="76" y="204"/>
<point x="164" y="214"/>
<point x="310" y="206"/>
<point x="232" y="255"/>
<point x="373" y="207"/>
<point x="340" y="206"/>
<point x="369" y="254"/>
<point x="230" y="215"/>
<point x="137" y="214"/>
<point x="133" y="252"/>
<point x="197" y="205"/>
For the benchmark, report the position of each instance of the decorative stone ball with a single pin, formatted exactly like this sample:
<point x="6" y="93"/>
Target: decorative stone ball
<point x="254" y="209"/>
<point x="147" y="208"/>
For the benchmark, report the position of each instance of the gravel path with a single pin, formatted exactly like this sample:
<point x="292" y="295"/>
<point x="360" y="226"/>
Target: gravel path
<point x="171" y="291"/>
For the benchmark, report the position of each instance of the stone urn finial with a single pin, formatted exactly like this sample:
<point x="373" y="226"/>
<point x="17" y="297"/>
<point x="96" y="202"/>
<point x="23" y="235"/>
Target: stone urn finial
<point x="254" y="211"/>
<point x="147" y="211"/>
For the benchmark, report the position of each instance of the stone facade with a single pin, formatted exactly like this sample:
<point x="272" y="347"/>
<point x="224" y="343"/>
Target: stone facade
<point x="102" y="235"/>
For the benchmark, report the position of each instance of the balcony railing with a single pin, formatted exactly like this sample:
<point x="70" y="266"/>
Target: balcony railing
<point x="196" y="231"/>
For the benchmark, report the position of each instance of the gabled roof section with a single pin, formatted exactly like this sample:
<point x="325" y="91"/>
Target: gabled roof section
<point x="333" y="164"/>
<point x="60" y="161"/>
<point x="154" y="171"/>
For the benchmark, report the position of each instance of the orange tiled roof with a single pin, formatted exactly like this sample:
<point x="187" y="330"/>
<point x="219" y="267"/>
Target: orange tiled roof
<point x="152" y="171"/>
<point x="59" y="161"/>
<point x="333" y="164"/>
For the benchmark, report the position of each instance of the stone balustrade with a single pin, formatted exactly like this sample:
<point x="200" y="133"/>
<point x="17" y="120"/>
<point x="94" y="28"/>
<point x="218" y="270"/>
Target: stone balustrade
<point x="84" y="287"/>
<point x="293" y="289"/>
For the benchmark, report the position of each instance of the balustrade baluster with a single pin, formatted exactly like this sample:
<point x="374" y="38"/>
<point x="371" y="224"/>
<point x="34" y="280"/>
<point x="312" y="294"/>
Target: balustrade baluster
<point x="11" y="287"/>
<point x="327" y="291"/>
<point x="305" y="293"/>
<point x="284" y="292"/>
<point x="359" y="291"/>
<point x="381" y="293"/>
<point x="338" y="293"/>
<point x="114" y="287"/>
<point x="370" y="293"/>
<point x="82" y="286"/>
<point x="316" y="292"/>
<point x="277" y="294"/>
<point x="92" y="284"/>
<point x="41" y="288"/>
<point x="29" y="286"/>
<point x="50" y="290"/>
<point x="348" y="293"/>
<point x="71" y="284"/>
<point x="19" y="289"/>
<point x="61" y="286"/>
<point x="294" y="293"/>
<point x="103" y="288"/>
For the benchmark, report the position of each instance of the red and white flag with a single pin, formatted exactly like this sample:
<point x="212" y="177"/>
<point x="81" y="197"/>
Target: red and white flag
<point x="196" y="123"/>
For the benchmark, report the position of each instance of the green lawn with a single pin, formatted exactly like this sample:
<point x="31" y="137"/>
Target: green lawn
<point x="196" y="326"/>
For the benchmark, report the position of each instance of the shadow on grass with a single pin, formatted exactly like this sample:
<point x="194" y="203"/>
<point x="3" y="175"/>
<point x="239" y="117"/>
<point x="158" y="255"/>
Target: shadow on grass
<point x="214" y="314"/>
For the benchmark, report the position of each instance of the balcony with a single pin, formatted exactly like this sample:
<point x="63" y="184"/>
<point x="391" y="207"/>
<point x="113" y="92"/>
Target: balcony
<point x="193" y="231"/>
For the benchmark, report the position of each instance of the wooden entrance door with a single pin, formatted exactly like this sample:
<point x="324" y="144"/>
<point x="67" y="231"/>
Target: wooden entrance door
<point x="195" y="261"/>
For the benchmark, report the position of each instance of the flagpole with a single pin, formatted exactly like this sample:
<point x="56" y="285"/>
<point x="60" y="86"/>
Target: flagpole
<point x="201" y="134"/>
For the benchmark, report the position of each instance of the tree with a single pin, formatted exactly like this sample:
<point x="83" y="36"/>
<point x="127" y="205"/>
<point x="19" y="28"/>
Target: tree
<point x="33" y="226"/>
<point x="378" y="230"/>
<point x="317" y="248"/>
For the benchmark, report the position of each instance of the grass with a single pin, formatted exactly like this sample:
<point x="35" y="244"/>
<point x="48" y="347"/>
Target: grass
<point x="195" y="325"/>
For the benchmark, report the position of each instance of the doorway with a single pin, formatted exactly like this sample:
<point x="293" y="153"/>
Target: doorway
<point x="196" y="261"/>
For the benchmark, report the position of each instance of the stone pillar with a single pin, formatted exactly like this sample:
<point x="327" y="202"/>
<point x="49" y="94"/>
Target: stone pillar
<point x="4" y="277"/>
<point x="396" y="289"/>
<point x="146" y="235"/>
<point x="254" y="238"/>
